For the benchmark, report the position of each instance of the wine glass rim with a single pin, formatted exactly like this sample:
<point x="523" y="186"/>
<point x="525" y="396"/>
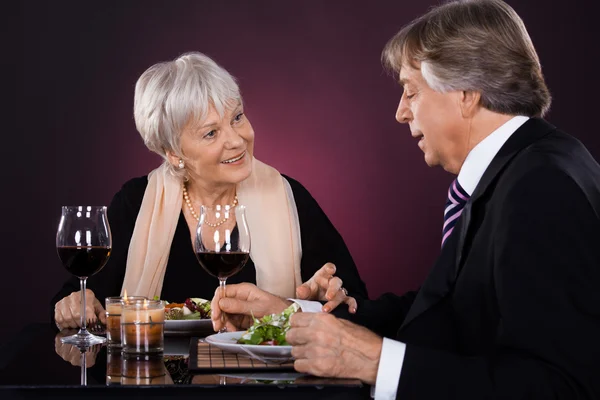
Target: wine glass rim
<point x="239" y="206"/>
<point x="81" y="208"/>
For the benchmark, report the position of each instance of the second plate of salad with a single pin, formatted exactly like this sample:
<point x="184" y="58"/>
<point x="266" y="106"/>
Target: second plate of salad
<point x="189" y="318"/>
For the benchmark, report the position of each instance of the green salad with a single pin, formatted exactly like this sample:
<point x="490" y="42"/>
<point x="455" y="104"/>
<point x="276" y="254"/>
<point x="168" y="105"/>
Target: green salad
<point x="270" y="330"/>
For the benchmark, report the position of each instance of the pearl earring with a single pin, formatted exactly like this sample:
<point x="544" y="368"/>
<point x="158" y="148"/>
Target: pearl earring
<point x="181" y="164"/>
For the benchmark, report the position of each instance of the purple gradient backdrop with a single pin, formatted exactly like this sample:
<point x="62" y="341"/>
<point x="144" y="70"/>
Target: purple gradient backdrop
<point x="321" y="105"/>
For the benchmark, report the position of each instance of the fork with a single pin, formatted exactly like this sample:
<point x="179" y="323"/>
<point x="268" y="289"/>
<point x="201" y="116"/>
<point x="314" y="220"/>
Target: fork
<point x="96" y="327"/>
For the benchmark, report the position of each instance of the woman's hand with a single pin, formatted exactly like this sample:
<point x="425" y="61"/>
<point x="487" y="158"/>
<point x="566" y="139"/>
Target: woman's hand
<point x="67" y="312"/>
<point x="71" y="353"/>
<point x="323" y="286"/>
<point x="241" y="302"/>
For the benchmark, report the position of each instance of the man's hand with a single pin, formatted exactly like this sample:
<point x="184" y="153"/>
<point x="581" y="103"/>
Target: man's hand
<point x="67" y="312"/>
<point x="240" y="303"/>
<point x="324" y="345"/>
<point x="323" y="286"/>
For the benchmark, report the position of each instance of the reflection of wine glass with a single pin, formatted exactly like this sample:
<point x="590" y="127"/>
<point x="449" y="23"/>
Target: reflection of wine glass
<point x="84" y="356"/>
<point x="83" y="243"/>
<point x="222" y="241"/>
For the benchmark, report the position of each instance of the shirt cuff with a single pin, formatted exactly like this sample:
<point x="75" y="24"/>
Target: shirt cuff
<point x="308" y="305"/>
<point x="390" y="367"/>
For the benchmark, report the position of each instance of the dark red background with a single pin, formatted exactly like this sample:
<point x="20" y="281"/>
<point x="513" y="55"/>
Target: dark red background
<point x="321" y="105"/>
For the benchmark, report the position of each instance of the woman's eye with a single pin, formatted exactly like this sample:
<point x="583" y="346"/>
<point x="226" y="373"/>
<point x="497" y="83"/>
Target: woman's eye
<point x="239" y="117"/>
<point x="211" y="134"/>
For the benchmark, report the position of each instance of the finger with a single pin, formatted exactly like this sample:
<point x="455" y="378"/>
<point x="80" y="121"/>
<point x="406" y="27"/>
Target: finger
<point x="74" y="310"/>
<point x="99" y="311"/>
<point x="90" y="313"/>
<point x="58" y="317"/>
<point x="303" y="291"/>
<point x="231" y="327"/>
<point x="74" y="356"/>
<point x="323" y="275"/>
<point x="217" y="324"/>
<point x="304" y="366"/>
<point x="299" y="336"/>
<point x="229" y="323"/>
<point x="333" y="304"/>
<point x="352" y="304"/>
<point x="299" y="352"/>
<point x="239" y="291"/>
<point x="235" y="306"/>
<point x="339" y="298"/>
<point x="89" y="295"/>
<point x="302" y="320"/>
<point x="328" y="268"/>
<point x="215" y="311"/>
<point x="58" y="344"/>
<point x="335" y="284"/>
<point x="69" y="320"/>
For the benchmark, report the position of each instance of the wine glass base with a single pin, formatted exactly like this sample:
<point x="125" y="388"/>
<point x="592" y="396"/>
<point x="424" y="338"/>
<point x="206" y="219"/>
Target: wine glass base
<point x="83" y="340"/>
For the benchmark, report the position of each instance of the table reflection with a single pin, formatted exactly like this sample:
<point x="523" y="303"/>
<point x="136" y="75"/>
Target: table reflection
<point x="82" y="356"/>
<point x="144" y="370"/>
<point x="112" y="367"/>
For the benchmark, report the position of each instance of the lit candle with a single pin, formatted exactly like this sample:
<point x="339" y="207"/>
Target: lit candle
<point x="114" y="306"/>
<point x="142" y="327"/>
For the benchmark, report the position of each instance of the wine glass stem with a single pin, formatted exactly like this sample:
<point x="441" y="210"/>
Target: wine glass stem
<point x="83" y="325"/>
<point x="83" y="368"/>
<point x="223" y="294"/>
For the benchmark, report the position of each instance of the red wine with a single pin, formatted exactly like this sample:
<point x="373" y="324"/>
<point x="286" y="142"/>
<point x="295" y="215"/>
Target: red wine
<point x="82" y="261"/>
<point x="222" y="265"/>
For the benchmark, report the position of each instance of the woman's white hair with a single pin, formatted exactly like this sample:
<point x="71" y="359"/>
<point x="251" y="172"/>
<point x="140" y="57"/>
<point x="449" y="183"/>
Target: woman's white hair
<point x="171" y="95"/>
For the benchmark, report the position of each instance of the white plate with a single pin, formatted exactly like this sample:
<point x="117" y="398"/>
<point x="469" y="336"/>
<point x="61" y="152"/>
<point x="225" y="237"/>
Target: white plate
<point x="228" y="341"/>
<point x="188" y="327"/>
<point x="266" y="376"/>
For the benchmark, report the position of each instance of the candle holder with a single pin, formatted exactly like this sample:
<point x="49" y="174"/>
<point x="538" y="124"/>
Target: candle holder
<point x="143" y="369"/>
<point x="143" y="326"/>
<point x="114" y="307"/>
<point x="114" y="360"/>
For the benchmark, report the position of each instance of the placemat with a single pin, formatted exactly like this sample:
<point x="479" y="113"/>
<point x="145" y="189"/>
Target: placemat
<point x="207" y="358"/>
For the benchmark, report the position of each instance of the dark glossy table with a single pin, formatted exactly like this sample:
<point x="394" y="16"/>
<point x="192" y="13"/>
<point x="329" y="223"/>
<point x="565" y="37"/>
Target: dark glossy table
<point x="30" y="366"/>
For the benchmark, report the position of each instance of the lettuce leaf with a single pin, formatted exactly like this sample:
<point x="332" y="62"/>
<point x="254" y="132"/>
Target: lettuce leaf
<point x="270" y="329"/>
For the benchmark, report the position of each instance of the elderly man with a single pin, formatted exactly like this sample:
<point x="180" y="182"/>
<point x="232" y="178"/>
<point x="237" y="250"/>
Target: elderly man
<point x="511" y="308"/>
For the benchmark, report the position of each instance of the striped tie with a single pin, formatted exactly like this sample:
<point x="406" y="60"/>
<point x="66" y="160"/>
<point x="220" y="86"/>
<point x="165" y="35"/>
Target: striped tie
<point x="457" y="198"/>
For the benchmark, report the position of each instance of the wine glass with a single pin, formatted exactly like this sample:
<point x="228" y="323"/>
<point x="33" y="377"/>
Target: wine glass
<point x="222" y="242"/>
<point x="83" y="243"/>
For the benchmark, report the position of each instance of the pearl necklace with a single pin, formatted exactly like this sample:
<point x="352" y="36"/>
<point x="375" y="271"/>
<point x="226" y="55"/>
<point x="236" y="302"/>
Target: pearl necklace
<point x="188" y="202"/>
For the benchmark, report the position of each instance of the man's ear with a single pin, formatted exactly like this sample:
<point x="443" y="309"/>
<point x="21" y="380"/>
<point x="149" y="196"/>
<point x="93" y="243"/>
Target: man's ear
<point x="469" y="103"/>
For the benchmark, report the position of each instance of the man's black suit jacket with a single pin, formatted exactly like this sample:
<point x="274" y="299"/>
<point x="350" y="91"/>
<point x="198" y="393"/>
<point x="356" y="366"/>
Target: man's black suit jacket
<point x="511" y="308"/>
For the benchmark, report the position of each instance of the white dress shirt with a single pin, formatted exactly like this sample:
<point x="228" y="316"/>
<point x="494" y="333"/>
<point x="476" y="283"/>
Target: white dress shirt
<point x="477" y="161"/>
<point x="392" y="351"/>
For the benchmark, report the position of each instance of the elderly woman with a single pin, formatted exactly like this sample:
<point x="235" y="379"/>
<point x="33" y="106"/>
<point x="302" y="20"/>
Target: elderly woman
<point x="190" y="112"/>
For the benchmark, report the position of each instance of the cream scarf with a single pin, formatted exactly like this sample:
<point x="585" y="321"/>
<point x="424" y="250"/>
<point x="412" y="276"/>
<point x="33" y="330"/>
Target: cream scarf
<point x="272" y="220"/>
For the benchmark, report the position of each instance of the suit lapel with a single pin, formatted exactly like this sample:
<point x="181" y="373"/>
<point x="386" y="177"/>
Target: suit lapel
<point x="447" y="267"/>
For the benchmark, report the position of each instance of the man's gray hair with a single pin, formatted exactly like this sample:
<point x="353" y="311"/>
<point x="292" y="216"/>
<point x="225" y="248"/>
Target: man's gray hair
<point x="479" y="45"/>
